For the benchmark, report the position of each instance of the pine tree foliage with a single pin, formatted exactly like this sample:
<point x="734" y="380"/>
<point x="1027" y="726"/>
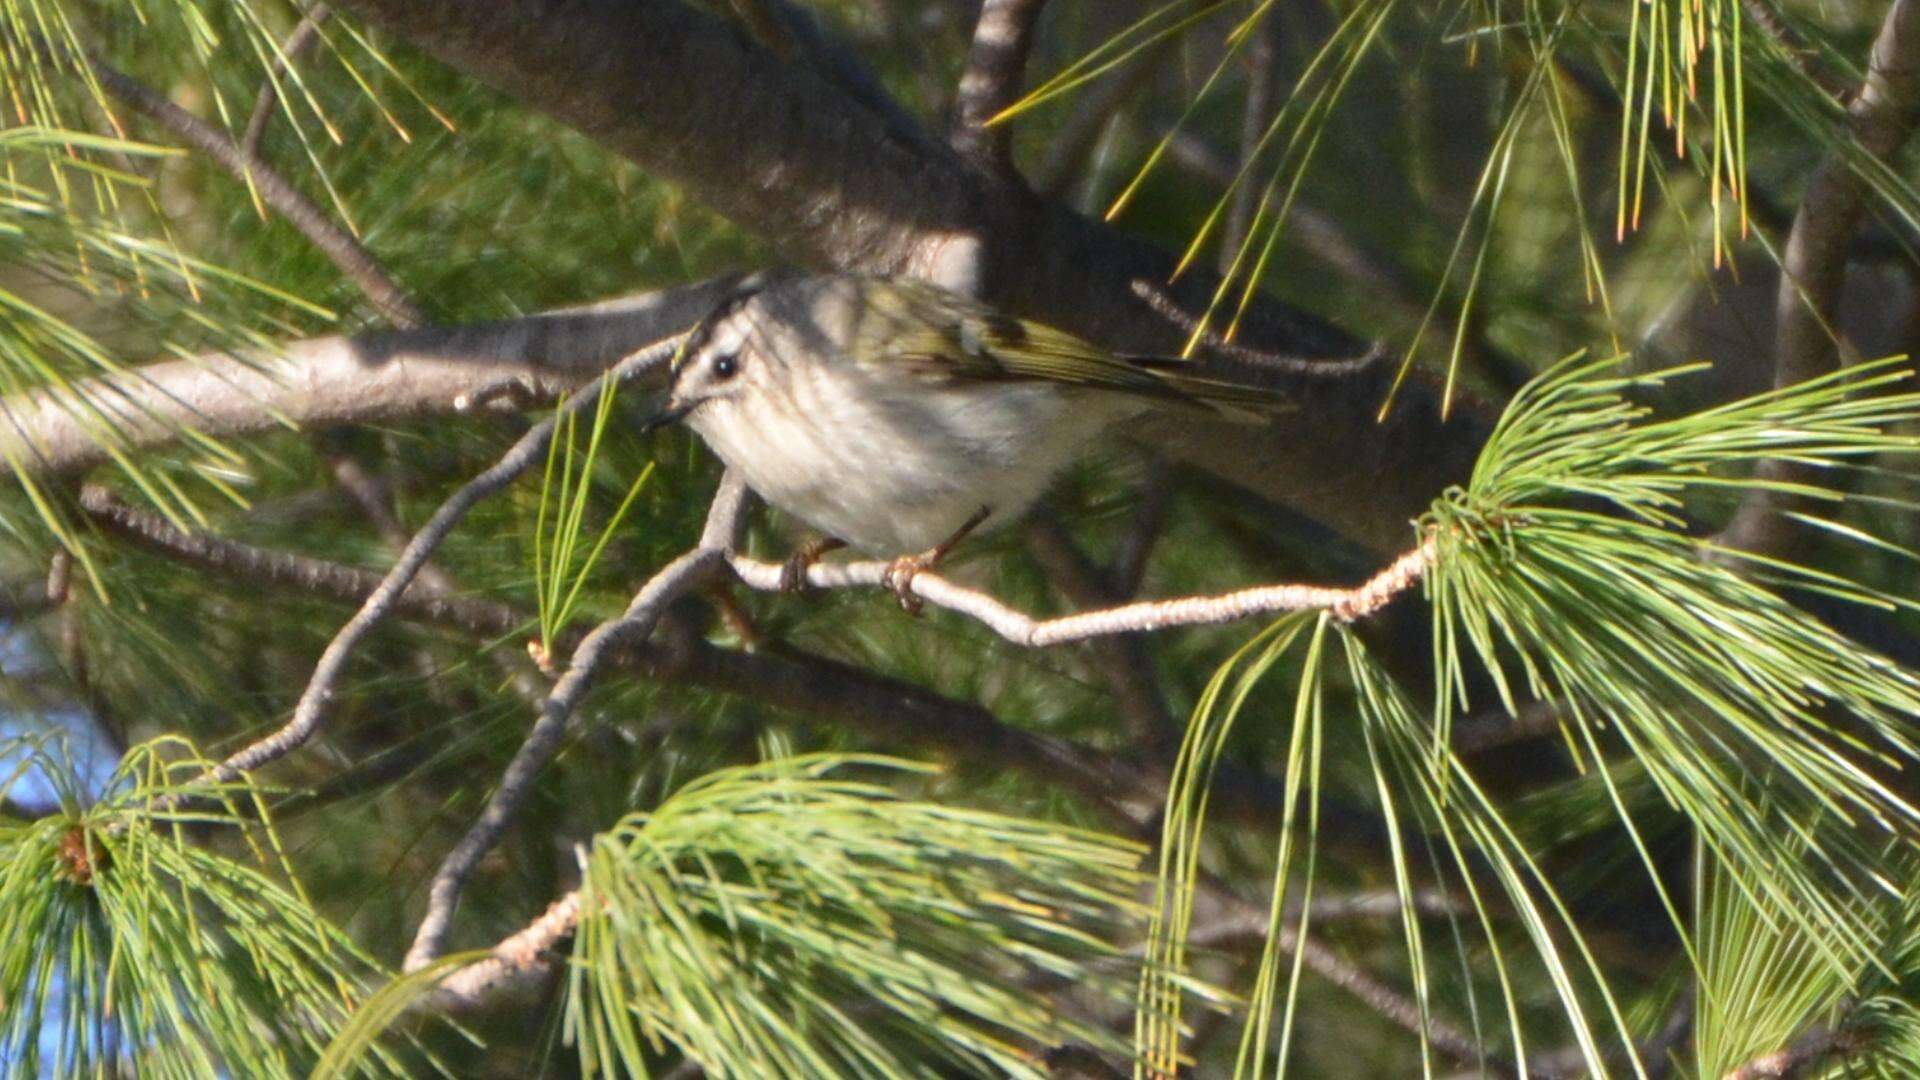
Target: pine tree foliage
<point x="131" y="947"/>
<point x="1564" y="571"/>
<point x="791" y="919"/>
<point x="1706" y="864"/>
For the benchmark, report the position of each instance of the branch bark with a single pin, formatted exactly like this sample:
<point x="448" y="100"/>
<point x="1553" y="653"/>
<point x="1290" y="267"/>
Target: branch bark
<point x="1022" y="629"/>
<point x="1814" y="262"/>
<point x="304" y="34"/>
<point x="1804" y="1058"/>
<point x="362" y="378"/>
<point x="311" y="710"/>
<point x="822" y="689"/>
<point x="1002" y="38"/>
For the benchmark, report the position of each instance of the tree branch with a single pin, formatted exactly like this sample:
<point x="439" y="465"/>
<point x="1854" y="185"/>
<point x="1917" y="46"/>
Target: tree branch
<point x="1022" y="629"/>
<point x="1069" y="149"/>
<point x="362" y="378"/>
<point x="1813" y="263"/>
<point x="997" y="64"/>
<point x="305" y="33"/>
<point x="1143" y="532"/>
<point x="698" y="566"/>
<point x="1762" y="14"/>
<point x="1122" y="661"/>
<point x="339" y="245"/>
<point x="1263" y="84"/>
<point x="1804" y="1058"/>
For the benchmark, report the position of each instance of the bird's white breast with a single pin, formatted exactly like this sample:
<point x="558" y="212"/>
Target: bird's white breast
<point x="892" y="464"/>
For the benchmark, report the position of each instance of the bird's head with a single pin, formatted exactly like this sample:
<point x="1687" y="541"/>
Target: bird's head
<point x="754" y="342"/>
<point x="721" y="360"/>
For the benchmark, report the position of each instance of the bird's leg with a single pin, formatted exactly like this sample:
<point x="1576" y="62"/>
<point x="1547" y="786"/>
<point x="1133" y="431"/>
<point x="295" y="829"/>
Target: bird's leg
<point x="900" y="573"/>
<point x="793" y="572"/>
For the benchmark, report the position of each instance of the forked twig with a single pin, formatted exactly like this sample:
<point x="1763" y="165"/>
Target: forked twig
<point x="311" y="709"/>
<point x="676" y="579"/>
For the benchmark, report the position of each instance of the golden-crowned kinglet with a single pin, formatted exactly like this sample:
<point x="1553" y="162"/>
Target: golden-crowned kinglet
<point x="895" y="416"/>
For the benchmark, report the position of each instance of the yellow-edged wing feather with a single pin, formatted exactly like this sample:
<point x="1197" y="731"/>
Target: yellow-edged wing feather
<point x="923" y="329"/>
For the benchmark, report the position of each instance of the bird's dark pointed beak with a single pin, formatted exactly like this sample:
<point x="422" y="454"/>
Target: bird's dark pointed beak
<point x="669" y="414"/>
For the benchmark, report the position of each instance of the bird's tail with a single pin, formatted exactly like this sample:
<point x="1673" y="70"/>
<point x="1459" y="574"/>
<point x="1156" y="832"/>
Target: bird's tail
<point x="1247" y="402"/>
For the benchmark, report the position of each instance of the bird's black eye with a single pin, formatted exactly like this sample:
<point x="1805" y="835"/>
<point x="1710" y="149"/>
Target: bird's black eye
<point x="725" y="367"/>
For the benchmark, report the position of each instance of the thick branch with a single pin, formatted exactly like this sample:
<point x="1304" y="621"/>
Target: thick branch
<point x="1813" y="264"/>
<point x="363" y="378"/>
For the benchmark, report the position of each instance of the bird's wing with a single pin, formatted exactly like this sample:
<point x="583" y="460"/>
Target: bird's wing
<point x="944" y="343"/>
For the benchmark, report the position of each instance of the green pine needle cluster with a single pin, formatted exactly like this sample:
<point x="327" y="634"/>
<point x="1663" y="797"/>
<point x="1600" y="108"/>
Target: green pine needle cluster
<point x="797" y="919"/>
<point x="129" y="946"/>
<point x="1568" y="570"/>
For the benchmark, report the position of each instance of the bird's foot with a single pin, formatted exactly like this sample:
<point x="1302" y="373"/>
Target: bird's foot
<point x="899" y="574"/>
<point x="793" y="572"/>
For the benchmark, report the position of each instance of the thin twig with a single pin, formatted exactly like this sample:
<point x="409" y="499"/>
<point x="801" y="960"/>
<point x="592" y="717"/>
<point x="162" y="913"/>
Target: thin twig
<point x="1149" y="521"/>
<point x="996" y="65"/>
<point x="314" y="701"/>
<point x="1070" y="148"/>
<point x="284" y="570"/>
<point x="1263" y="63"/>
<point x="519" y="958"/>
<point x="371" y="498"/>
<point x="1328" y="239"/>
<point x="340" y="246"/>
<point x="1022" y="629"/>
<point x="27" y="600"/>
<point x="1169" y="309"/>
<point x="703" y="563"/>
<point x="374" y="499"/>
<point x="305" y="33"/>
<point x="1795" y="50"/>
<point x="1240" y="923"/>
<point x="1813" y="264"/>
<point x="1486" y="731"/>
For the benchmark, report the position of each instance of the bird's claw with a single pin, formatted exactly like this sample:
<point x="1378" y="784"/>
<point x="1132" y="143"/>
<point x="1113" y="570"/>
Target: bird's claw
<point x="898" y="579"/>
<point x="793" y="572"/>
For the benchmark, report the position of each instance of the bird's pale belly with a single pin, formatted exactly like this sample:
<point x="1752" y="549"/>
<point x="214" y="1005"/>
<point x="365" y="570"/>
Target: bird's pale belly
<point x="902" y="479"/>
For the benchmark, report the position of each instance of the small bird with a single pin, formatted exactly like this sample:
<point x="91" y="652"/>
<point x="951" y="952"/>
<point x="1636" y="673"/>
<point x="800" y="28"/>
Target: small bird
<point x="897" y="417"/>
